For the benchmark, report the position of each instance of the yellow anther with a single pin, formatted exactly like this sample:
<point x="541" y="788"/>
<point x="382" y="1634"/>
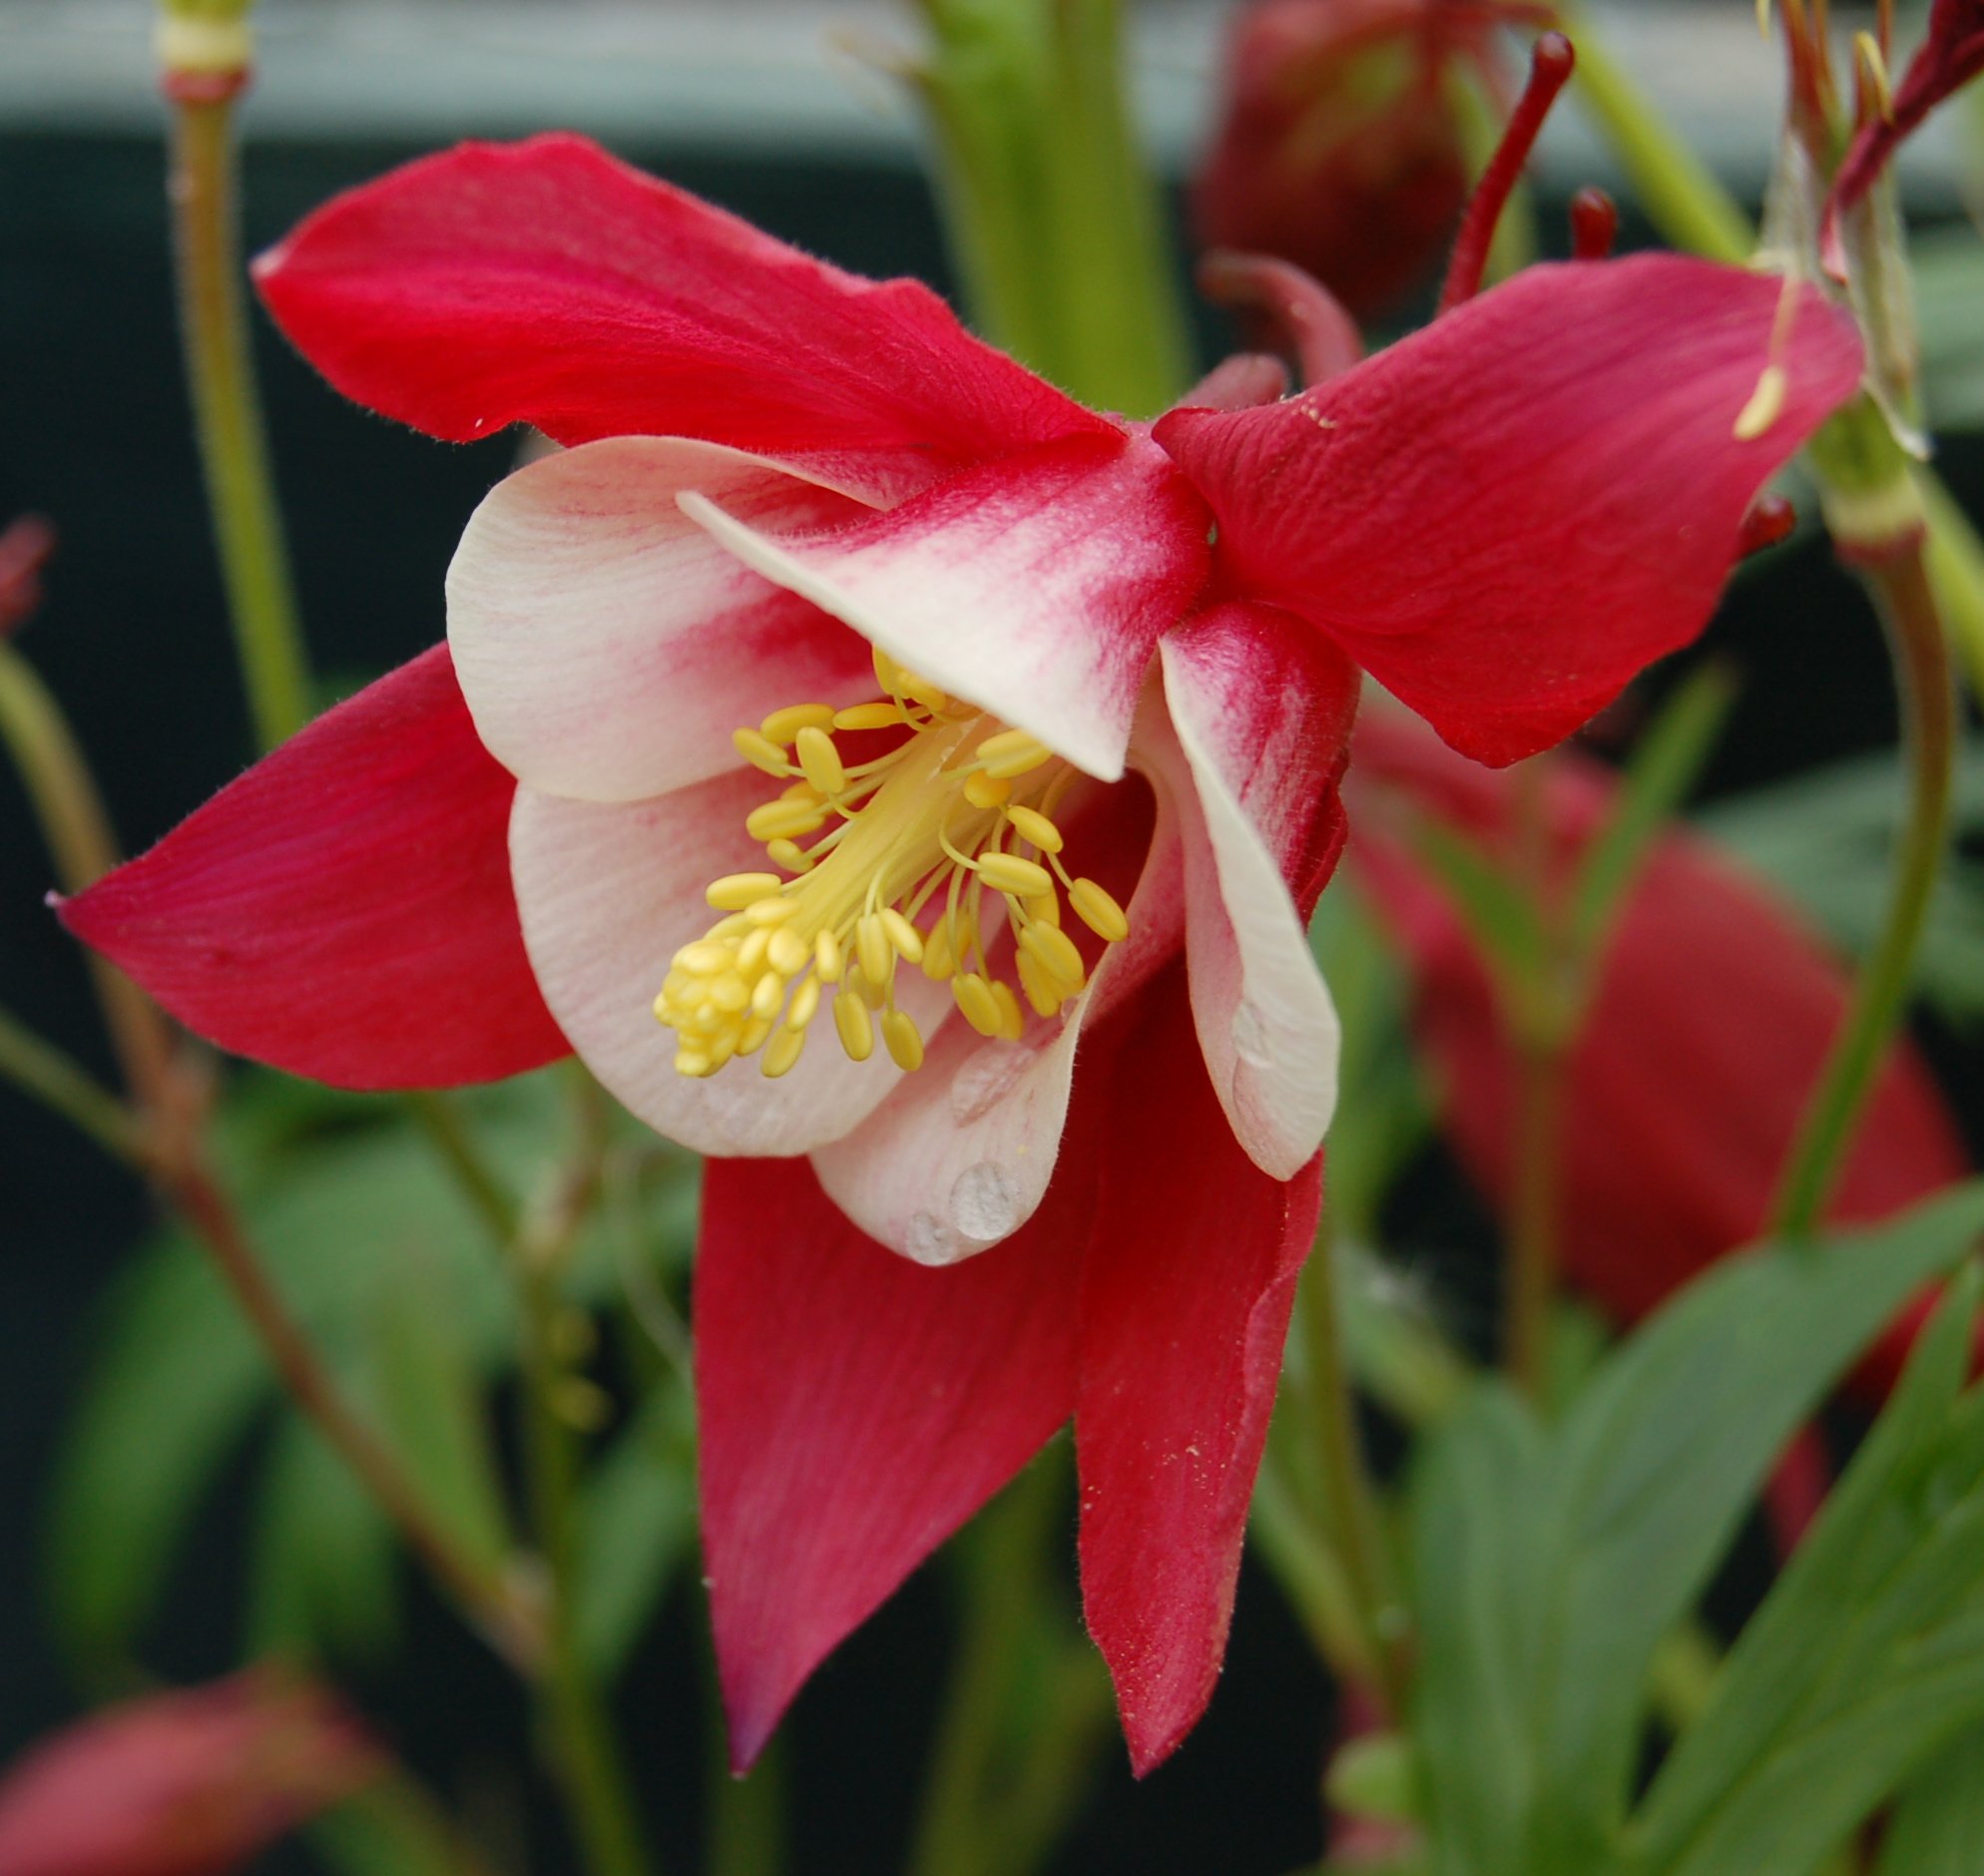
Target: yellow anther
<point x="877" y="715"/>
<point x="768" y="995"/>
<point x="904" y="936"/>
<point x="705" y="958"/>
<point x="736" y="893"/>
<point x="781" y="1051"/>
<point x="1007" y="872"/>
<point x="1032" y="825"/>
<point x="1012" y="753"/>
<point x="735" y="926"/>
<point x="977" y="1003"/>
<point x="782" y="819"/>
<point x="801" y="790"/>
<point x="753" y="952"/>
<point x="760" y="751"/>
<point x="983" y="790"/>
<point x="694" y="1062"/>
<point x="857" y="1031"/>
<point x="785" y="854"/>
<point x="1041" y="990"/>
<point x="1873" y="72"/>
<point x="888" y="674"/>
<point x="805" y="1002"/>
<point x="903" y="1039"/>
<point x="787" y="952"/>
<point x="872" y="946"/>
<point x="821" y="760"/>
<point x="1012" y="1025"/>
<point x="730" y="992"/>
<point x="754" y="1033"/>
<point x="1055" y="952"/>
<point x="922" y="691"/>
<point x="1044" y="908"/>
<point x="939" y="953"/>
<point x="1766" y="406"/>
<point x="774" y="910"/>
<point x="1097" y="911"/>
<point x="827" y="958"/>
<point x="781" y="726"/>
<point x="874" y="992"/>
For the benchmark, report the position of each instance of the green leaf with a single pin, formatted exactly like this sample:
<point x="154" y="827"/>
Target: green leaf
<point x="1663" y="769"/>
<point x="1937" y="1828"/>
<point x="636" y="1527"/>
<point x="1550" y="1562"/>
<point x="322" y="1581"/>
<point x="1497" y="912"/>
<point x="1866" y="1657"/>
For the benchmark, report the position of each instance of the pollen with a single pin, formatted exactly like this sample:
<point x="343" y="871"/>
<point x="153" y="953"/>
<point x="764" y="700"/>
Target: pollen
<point x="913" y="833"/>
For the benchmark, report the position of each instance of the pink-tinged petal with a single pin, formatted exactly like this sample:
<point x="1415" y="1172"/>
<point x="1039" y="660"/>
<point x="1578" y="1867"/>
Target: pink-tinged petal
<point x="1950" y="55"/>
<point x="608" y="893"/>
<point x="1184" y="1307"/>
<point x="189" y="1783"/>
<point x="344" y="910"/>
<point x="607" y="647"/>
<point x="1239" y="383"/>
<point x="958" y="1158"/>
<point x="546" y="283"/>
<point x="1261" y="714"/>
<point x="1507" y="515"/>
<point x="1035" y="586"/>
<point x="854" y="1409"/>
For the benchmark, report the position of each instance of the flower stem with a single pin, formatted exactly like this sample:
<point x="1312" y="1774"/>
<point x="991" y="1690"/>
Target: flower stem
<point x="227" y="417"/>
<point x="1347" y="1484"/>
<point x="38" y="1069"/>
<point x="584" y="1752"/>
<point x="494" y="1606"/>
<point x="1899" y="585"/>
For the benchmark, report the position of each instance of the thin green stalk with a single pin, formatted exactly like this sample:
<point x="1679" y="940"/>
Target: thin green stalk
<point x="64" y="796"/>
<point x="462" y="1154"/>
<point x="1340" y="1460"/>
<point x="1900" y="588"/>
<point x="42" y="1070"/>
<point x="227" y="418"/>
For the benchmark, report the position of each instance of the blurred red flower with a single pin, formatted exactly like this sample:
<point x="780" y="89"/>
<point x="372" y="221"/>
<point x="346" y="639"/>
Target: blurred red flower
<point x="189" y="1784"/>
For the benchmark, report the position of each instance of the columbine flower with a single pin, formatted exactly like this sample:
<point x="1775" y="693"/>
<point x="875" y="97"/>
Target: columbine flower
<point x="194" y="1783"/>
<point x="842" y="680"/>
<point x="1710" y="1022"/>
<point x="1340" y="146"/>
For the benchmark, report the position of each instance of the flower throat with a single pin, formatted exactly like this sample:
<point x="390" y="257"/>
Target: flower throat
<point x="958" y="815"/>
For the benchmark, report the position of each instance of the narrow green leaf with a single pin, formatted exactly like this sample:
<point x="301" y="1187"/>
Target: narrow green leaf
<point x="1937" y="1828"/>
<point x="1664" y="766"/>
<point x="1868" y="1654"/>
<point x="1551" y="1563"/>
<point x="1497" y="912"/>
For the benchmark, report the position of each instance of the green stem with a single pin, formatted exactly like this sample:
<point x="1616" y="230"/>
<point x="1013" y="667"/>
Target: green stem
<point x="1900" y="588"/>
<point x="226" y="415"/>
<point x="71" y="813"/>
<point x="462" y="1154"/>
<point x="584" y="1751"/>
<point x="1533" y="1249"/>
<point x="38" y="1069"/>
<point x="1346" y="1484"/>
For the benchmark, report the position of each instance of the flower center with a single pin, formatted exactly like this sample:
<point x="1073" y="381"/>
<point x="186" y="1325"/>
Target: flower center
<point x="956" y="815"/>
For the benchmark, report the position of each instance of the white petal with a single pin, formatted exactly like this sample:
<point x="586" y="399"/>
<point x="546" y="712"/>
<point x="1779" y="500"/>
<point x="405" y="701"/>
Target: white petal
<point x="607" y="647"/>
<point x="1257" y="733"/>
<point x="607" y="892"/>
<point x="1035" y="585"/>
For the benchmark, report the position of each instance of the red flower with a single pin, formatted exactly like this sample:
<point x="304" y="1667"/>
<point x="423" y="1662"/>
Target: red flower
<point x="789" y="487"/>
<point x="1339" y="147"/>
<point x="1950" y="56"/>
<point x="180" y="1784"/>
<point x="1713" y="1016"/>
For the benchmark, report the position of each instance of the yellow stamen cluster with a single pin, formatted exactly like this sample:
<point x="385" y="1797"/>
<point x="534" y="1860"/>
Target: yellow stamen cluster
<point x="958" y="815"/>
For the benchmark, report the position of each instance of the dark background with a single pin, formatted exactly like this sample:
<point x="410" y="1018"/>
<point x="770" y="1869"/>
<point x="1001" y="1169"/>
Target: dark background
<point x="133" y="638"/>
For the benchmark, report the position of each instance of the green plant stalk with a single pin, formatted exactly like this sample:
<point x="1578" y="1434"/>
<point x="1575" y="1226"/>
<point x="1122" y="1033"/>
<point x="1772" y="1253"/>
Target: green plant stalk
<point x="1350" y="1497"/>
<point x="1956" y="572"/>
<point x="43" y="1072"/>
<point x="64" y="796"/>
<point x="1048" y="206"/>
<point x="1899" y="585"/>
<point x="227" y="418"/>
<point x="584" y="1751"/>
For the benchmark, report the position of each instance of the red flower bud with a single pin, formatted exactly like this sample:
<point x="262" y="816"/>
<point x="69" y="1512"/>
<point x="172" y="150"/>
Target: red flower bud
<point x="1340" y="148"/>
<point x="1712" y="1015"/>
<point x="180" y="1784"/>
